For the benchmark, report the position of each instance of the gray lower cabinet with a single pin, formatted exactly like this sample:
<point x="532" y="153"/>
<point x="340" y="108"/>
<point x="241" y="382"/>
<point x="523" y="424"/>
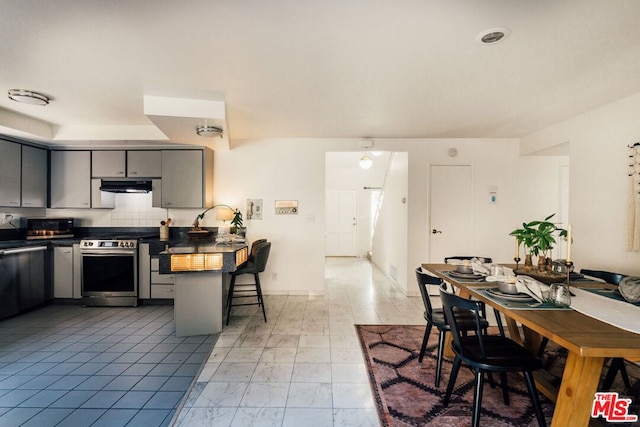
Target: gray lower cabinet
<point x="23" y="283"/>
<point x="66" y="272"/>
<point x="70" y="179"/>
<point x="152" y="284"/>
<point x="63" y="272"/>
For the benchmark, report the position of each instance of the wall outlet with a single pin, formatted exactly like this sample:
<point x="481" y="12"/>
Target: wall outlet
<point x="274" y="276"/>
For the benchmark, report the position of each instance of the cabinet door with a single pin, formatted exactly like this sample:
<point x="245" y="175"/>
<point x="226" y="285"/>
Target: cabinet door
<point x="63" y="272"/>
<point x="144" y="272"/>
<point x="9" y="174"/>
<point x="108" y="164"/>
<point x="144" y="164"/>
<point x="182" y="179"/>
<point x="70" y="179"/>
<point x="101" y="199"/>
<point x="34" y="177"/>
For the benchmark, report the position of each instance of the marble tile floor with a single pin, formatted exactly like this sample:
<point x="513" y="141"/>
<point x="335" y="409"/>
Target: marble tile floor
<point x="66" y="365"/>
<point x="304" y="366"/>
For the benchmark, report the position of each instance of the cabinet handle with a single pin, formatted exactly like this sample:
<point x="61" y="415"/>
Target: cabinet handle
<point x="13" y="202"/>
<point x="27" y="203"/>
<point x="120" y="173"/>
<point x="133" y="173"/>
<point x="85" y="204"/>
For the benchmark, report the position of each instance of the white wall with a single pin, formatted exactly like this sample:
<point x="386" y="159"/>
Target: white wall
<point x="294" y="169"/>
<point x="598" y="181"/>
<point x="390" y="236"/>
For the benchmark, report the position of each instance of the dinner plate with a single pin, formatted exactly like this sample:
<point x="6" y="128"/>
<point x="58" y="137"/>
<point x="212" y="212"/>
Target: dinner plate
<point x="510" y="297"/>
<point x="454" y="273"/>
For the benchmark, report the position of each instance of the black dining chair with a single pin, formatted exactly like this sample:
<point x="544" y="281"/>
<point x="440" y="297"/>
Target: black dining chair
<point x="486" y="354"/>
<point x="435" y="317"/>
<point x="482" y="259"/>
<point x="249" y="290"/>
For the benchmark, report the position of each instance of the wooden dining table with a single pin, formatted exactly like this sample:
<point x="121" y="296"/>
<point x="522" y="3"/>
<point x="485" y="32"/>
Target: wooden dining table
<point x="589" y="342"/>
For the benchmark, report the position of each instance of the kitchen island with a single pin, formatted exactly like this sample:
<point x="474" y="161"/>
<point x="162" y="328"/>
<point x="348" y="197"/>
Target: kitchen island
<point x="201" y="269"/>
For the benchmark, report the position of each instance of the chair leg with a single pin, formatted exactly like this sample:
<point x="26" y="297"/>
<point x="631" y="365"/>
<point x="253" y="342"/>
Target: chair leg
<point x="441" y="340"/>
<point x="617" y="365"/>
<point x="543" y="344"/>
<point x="477" y="398"/>
<point x="499" y="321"/>
<point x="423" y="348"/>
<point x="260" y="300"/>
<point x="535" y="400"/>
<point x="230" y="296"/>
<point x="505" y="388"/>
<point x="452" y="380"/>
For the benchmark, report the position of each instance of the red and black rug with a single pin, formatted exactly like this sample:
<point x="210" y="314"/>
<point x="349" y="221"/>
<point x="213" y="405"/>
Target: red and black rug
<point x="404" y="389"/>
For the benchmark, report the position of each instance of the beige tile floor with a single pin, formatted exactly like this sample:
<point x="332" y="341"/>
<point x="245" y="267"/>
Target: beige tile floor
<point x="304" y="366"/>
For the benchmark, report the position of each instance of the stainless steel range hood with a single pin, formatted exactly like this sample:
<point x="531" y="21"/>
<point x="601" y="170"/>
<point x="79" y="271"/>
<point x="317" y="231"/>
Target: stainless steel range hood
<point x="126" y="186"/>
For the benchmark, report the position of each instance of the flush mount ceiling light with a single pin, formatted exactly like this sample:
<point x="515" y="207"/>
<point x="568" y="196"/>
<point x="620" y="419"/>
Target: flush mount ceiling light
<point x="493" y="35"/>
<point x="28" y="97"/>
<point x="209" y="131"/>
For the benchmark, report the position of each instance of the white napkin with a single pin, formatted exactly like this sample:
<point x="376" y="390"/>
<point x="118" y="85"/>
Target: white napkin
<point x="501" y="278"/>
<point x="529" y="285"/>
<point x="479" y="268"/>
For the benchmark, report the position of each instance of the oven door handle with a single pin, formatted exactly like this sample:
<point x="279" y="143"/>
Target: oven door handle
<point x="107" y="252"/>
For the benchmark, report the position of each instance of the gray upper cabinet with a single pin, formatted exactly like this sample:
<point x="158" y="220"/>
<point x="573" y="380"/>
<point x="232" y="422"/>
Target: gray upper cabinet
<point x="144" y="164"/>
<point x="71" y="179"/>
<point x="108" y="164"/>
<point x="23" y="176"/>
<point x="10" y="174"/>
<point x="34" y="177"/>
<point x="187" y="178"/>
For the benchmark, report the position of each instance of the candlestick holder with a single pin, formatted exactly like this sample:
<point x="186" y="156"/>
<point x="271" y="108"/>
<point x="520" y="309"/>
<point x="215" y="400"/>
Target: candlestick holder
<point x="517" y="260"/>
<point x="568" y="264"/>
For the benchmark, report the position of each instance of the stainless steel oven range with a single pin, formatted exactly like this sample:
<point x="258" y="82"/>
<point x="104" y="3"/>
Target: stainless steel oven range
<point x="109" y="272"/>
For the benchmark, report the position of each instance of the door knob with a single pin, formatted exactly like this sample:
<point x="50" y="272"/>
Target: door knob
<point x="434" y="231"/>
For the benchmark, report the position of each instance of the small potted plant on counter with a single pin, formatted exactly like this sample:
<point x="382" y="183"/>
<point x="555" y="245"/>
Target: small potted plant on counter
<point x="236" y="222"/>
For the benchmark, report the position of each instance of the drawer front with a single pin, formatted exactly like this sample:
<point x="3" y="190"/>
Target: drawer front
<point x="162" y="278"/>
<point x="162" y="291"/>
<point x="155" y="263"/>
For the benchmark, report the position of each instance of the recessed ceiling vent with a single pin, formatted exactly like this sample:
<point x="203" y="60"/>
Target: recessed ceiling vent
<point x="493" y="35"/>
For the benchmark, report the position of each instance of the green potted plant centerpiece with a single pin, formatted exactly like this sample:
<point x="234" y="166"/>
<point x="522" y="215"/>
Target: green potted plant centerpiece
<point x="538" y="239"/>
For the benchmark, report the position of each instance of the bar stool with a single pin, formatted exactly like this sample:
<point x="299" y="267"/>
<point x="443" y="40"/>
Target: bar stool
<point x="254" y="266"/>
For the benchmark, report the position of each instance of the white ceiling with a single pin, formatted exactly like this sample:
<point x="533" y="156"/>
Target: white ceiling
<point x="309" y="68"/>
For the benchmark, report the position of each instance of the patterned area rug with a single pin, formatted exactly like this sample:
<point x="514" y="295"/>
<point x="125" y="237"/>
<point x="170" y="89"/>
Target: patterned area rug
<point x="404" y="389"/>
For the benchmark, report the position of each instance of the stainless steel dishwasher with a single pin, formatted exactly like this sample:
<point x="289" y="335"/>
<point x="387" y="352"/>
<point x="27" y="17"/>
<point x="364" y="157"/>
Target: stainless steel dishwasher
<point x="23" y="284"/>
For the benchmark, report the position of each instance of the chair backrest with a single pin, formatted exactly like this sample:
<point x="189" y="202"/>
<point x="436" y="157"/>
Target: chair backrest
<point x="451" y="304"/>
<point x="482" y="259"/>
<point x="424" y="280"/>
<point x="607" y="276"/>
<point x="262" y="256"/>
<point x="254" y="247"/>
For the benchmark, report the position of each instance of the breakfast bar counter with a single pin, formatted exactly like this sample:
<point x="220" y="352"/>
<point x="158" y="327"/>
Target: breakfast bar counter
<point x="202" y="280"/>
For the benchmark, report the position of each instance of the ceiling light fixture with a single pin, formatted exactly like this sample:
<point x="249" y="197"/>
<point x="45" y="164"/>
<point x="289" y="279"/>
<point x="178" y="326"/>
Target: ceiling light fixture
<point x="28" y="97"/>
<point x="208" y="131"/>
<point x="493" y="35"/>
<point x="366" y="162"/>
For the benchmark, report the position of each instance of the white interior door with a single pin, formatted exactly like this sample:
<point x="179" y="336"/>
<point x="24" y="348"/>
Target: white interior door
<point x="451" y="212"/>
<point x="341" y="214"/>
